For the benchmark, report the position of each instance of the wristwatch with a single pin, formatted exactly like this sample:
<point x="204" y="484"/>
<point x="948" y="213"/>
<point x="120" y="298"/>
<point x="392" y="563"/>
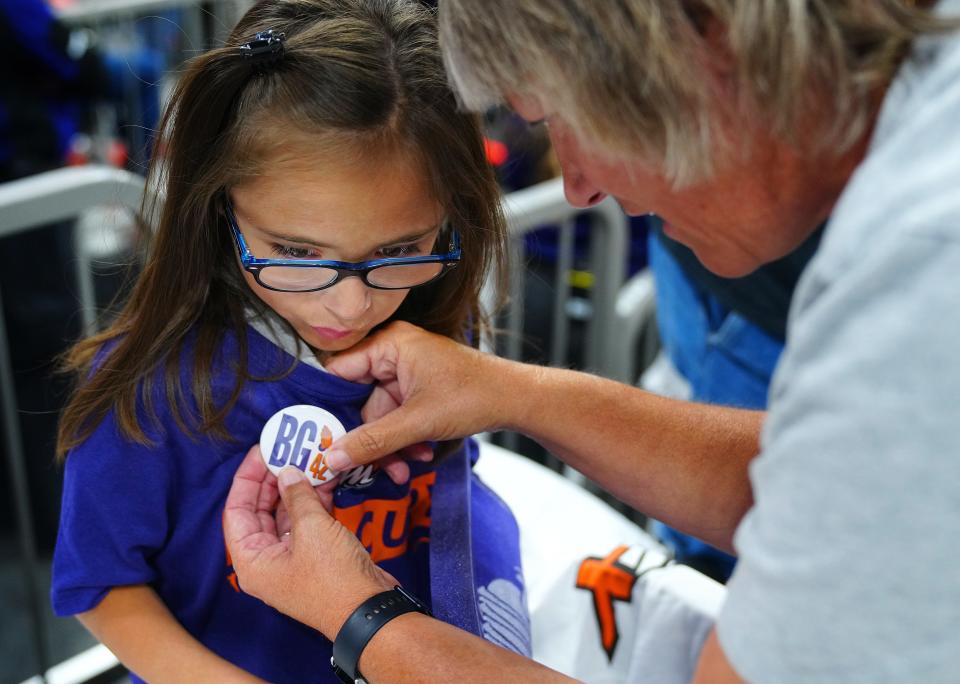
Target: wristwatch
<point x="363" y="623"/>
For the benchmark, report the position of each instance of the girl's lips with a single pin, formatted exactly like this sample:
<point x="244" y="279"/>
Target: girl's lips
<point x="332" y="333"/>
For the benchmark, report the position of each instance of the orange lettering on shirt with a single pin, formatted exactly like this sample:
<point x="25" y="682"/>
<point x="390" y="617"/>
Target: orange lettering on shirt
<point x="384" y="526"/>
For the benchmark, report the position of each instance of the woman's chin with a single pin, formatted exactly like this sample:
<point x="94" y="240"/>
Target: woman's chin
<point x="727" y="267"/>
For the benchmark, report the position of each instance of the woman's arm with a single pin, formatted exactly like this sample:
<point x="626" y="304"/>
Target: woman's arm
<point x="414" y="648"/>
<point x="138" y="628"/>
<point x="680" y="462"/>
<point x="410" y="648"/>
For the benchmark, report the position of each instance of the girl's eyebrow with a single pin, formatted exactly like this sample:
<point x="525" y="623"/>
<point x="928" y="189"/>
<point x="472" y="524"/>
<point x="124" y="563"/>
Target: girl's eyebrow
<point x="412" y="237"/>
<point x="284" y="237"/>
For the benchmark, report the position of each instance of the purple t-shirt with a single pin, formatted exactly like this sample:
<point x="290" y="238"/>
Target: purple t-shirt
<point x="136" y="514"/>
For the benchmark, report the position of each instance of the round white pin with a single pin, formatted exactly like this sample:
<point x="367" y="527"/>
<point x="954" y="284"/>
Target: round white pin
<point x="298" y="436"/>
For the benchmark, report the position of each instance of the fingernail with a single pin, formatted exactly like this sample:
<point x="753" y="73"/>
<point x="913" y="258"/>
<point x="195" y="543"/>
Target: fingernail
<point x="289" y="475"/>
<point x="336" y="459"/>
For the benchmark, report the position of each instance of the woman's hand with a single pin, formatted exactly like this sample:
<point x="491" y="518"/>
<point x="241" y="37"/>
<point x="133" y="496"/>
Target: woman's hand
<point x="428" y="388"/>
<point x="290" y="553"/>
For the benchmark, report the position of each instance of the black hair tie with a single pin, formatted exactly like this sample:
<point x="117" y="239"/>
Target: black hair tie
<point x="265" y="48"/>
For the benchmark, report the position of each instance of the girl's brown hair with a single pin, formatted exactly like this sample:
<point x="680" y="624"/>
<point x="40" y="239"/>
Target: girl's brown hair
<point x="355" y="74"/>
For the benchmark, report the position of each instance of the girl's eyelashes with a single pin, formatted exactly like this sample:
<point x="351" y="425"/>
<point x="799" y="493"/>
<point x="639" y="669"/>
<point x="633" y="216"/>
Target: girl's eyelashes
<point x="397" y="251"/>
<point x="392" y="252"/>
<point x="291" y="252"/>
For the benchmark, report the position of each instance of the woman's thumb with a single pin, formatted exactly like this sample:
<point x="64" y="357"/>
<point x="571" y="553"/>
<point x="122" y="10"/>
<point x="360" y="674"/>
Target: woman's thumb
<point x="376" y="439"/>
<point x="297" y="494"/>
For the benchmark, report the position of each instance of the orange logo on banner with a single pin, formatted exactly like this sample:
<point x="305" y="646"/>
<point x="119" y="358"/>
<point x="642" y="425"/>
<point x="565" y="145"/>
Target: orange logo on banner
<point x="608" y="580"/>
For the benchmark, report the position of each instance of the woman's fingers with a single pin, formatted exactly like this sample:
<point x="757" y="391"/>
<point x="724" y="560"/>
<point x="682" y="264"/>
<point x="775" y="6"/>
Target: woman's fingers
<point x="248" y="513"/>
<point x="429" y="388"/>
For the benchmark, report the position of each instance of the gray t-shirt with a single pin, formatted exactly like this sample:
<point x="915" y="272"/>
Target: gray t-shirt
<point x="849" y="559"/>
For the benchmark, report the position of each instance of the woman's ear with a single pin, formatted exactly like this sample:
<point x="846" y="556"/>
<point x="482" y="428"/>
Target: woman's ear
<point x="718" y="51"/>
<point x="699" y="16"/>
<point x="720" y="70"/>
<point x="716" y="54"/>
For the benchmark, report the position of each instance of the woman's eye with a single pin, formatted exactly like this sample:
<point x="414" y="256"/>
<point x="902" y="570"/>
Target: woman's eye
<point x="290" y="252"/>
<point x="400" y="251"/>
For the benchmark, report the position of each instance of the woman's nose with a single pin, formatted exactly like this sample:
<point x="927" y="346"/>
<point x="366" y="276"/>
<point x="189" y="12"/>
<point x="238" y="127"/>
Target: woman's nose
<point x="349" y="299"/>
<point x="579" y="190"/>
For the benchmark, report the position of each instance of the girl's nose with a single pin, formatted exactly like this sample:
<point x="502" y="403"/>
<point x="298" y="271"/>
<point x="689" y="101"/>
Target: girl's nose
<point x="348" y="300"/>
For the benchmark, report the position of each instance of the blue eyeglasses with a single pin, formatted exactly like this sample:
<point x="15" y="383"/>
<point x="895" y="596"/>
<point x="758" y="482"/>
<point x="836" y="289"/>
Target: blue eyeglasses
<point x="310" y="275"/>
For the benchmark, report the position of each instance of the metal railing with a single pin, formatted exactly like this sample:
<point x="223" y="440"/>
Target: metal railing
<point x="221" y="14"/>
<point x="87" y="11"/>
<point x="634" y="337"/>
<point x="24" y="205"/>
<point x="545" y="204"/>
<point x="620" y="331"/>
<point x="143" y="43"/>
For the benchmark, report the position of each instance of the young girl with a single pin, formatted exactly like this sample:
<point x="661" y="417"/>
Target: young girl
<point x="318" y="182"/>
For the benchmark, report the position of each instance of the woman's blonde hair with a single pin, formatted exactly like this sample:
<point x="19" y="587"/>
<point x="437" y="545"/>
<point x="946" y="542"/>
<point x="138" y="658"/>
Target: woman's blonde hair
<point x="629" y="75"/>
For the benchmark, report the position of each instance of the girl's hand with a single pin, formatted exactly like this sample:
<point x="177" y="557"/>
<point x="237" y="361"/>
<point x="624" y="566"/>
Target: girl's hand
<point x="302" y="562"/>
<point x="428" y="388"/>
<point x="395" y="465"/>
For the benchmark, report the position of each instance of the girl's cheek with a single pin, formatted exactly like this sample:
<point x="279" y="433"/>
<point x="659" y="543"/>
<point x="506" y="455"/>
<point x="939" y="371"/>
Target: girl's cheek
<point x="392" y="309"/>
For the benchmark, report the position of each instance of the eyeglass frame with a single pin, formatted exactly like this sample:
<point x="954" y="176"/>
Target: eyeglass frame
<point x="343" y="269"/>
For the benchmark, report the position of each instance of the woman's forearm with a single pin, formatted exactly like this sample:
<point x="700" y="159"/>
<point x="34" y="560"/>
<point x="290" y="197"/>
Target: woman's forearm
<point x="138" y="628"/>
<point x="681" y="462"/>
<point x="415" y="648"/>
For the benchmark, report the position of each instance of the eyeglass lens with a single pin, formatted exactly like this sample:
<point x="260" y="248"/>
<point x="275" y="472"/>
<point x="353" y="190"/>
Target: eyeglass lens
<point x="396" y="276"/>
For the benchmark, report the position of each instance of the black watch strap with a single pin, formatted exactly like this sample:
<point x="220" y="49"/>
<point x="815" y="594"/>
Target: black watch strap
<point x="363" y="623"/>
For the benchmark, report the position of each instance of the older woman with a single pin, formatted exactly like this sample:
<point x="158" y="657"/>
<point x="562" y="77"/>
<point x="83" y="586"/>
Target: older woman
<point x="744" y="124"/>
